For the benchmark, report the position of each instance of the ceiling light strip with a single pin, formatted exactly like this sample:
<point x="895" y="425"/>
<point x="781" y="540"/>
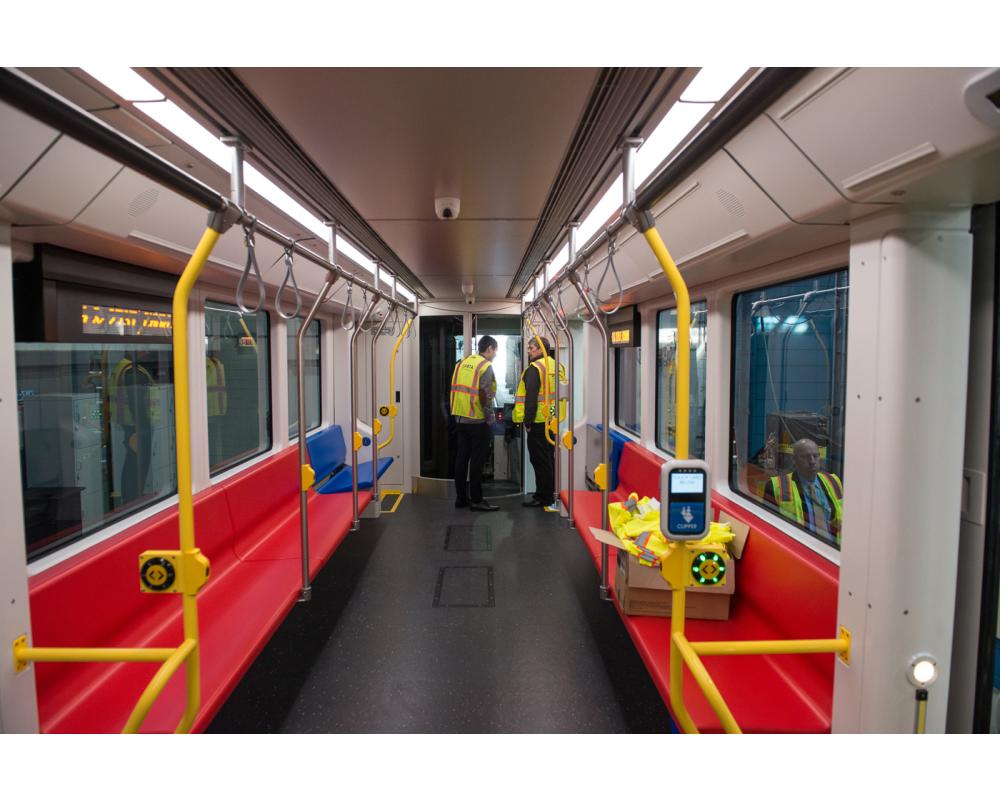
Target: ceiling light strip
<point x="235" y="109"/>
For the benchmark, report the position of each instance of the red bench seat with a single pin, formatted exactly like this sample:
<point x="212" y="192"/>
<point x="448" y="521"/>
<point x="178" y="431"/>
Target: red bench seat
<point x="248" y="527"/>
<point x="784" y="591"/>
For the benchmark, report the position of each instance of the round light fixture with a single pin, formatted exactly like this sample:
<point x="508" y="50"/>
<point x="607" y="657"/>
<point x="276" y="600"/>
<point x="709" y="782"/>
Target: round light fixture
<point x="923" y="670"/>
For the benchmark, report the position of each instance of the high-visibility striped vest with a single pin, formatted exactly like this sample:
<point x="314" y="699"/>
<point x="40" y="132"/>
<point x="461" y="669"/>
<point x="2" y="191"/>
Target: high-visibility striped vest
<point x="465" y="400"/>
<point x="786" y="492"/>
<point x="546" y="369"/>
<point x="144" y="393"/>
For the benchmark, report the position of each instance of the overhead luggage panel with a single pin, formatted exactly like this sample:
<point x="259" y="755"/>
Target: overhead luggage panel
<point x="792" y="181"/>
<point x="66" y="84"/>
<point x="24" y="140"/>
<point x="871" y="131"/>
<point x="718" y="210"/>
<point x="61" y="183"/>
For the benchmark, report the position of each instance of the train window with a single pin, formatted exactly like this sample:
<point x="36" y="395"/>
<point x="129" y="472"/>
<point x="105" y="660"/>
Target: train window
<point x="789" y="377"/>
<point x="666" y="364"/>
<point x="628" y="379"/>
<point x="97" y="434"/>
<point x="238" y="371"/>
<point x="311" y="359"/>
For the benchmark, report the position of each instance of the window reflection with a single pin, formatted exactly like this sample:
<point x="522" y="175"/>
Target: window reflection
<point x="311" y="359"/>
<point x="237" y="372"/>
<point x="789" y="379"/>
<point x="628" y="395"/>
<point x="97" y="435"/>
<point x="666" y="385"/>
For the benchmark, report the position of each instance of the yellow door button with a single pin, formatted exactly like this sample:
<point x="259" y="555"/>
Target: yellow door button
<point x="158" y="574"/>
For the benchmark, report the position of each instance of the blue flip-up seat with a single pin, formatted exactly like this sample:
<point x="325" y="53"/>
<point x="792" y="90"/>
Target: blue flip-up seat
<point x="618" y="441"/>
<point x="328" y="455"/>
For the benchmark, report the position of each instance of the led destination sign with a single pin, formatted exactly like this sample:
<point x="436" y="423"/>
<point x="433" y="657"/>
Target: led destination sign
<point x="118" y="321"/>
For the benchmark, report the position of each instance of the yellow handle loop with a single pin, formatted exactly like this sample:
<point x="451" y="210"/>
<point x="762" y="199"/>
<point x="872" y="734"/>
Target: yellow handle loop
<point x="545" y="379"/>
<point x="308" y="477"/>
<point x="601" y="476"/>
<point x="392" y="385"/>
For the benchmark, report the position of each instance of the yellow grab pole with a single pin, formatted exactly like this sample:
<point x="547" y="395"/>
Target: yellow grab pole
<point x="93" y="655"/>
<point x="682" y="393"/>
<point x="678" y="601"/>
<point x="765" y="647"/>
<point x="185" y="498"/>
<point x="922" y="711"/>
<point x="163" y="674"/>
<point x="683" y="374"/>
<point x="392" y="386"/>
<point x="545" y="380"/>
<point x="705" y="682"/>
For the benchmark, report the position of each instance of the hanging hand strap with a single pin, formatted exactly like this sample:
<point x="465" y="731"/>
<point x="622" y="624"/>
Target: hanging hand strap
<point x="248" y="238"/>
<point x="610" y="265"/>
<point x="289" y="275"/>
<point x="366" y="328"/>
<point x="581" y="307"/>
<point x="348" y="304"/>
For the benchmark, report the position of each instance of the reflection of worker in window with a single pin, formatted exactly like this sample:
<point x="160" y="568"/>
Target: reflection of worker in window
<point x="807" y="495"/>
<point x="135" y="407"/>
<point x="218" y="404"/>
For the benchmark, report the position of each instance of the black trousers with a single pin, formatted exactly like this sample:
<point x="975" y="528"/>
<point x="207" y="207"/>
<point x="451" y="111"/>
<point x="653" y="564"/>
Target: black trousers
<point x="473" y="447"/>
<point x="543" y="462"/>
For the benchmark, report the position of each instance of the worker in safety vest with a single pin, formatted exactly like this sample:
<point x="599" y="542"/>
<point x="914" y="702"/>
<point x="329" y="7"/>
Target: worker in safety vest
<point x="808" y="496"/>
<point x="134" y="406"/>
<point x="472" y="390"/>
<point x="534" y="406"/>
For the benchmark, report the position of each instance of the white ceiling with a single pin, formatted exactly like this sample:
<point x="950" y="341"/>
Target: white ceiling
<point x="391" y="140"/>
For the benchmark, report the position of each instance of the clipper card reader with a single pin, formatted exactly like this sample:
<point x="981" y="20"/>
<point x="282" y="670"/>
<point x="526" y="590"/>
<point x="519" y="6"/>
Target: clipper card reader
<point x="686" y="513"/>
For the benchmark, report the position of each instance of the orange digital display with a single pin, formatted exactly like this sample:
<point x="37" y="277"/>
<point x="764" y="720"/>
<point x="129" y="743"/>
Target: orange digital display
<point x="117" y="321"/>
<point x="621" y="336"/>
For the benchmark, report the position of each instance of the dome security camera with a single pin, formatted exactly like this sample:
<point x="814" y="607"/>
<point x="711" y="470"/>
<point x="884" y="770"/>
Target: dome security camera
<point x="447" y="207"/>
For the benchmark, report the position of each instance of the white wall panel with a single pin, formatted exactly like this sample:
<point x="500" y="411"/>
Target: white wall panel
<point x="906" y="387"/>
<point x="18" y="712"/>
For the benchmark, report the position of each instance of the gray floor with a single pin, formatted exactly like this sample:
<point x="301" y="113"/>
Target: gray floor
<point x="404" y="635"/>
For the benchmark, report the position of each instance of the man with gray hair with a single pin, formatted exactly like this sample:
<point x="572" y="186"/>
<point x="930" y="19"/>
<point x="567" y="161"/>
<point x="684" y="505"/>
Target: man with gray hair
<point x="807" y="495"/>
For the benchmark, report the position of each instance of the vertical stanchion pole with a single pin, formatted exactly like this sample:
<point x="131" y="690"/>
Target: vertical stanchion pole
<point x="598" y="320"/>
<point x="554" y="337"/>
<point x="354" y="406"/>
<point x="570" y="418"/>
<point x="306" y="475"/>
<point x="376" y="422"/>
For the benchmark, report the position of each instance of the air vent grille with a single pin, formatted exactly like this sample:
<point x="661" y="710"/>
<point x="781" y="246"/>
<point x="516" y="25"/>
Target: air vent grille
<point x="730" y="202"/>
<point x="143" y="202"/>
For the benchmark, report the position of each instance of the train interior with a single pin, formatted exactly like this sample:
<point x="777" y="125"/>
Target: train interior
<point x="824" y="238"/>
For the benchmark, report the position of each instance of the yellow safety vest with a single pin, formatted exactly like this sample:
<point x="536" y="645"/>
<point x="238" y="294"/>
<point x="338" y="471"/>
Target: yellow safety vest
<point x="546" y="369"/>
<point x="786" y="492"/>
<point x="465" y="400"/>
<point x="122" y="393"/>
<point x="215" y="375"/>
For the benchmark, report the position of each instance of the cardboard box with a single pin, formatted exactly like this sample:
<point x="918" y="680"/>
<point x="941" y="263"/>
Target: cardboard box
<point x="642" y="590"/>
